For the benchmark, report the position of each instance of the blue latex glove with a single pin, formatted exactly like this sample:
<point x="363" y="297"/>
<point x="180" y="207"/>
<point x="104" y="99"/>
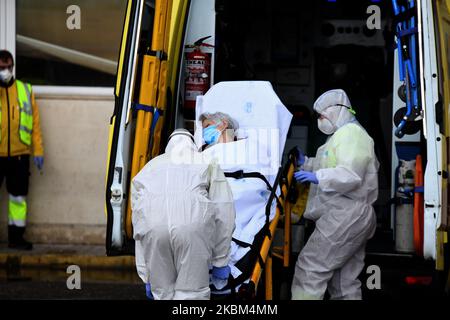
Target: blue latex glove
<point x="39" y="162"/>
<point x="306" y="176"/>
<point x="300" y="157"/>
<point x="221" y="273"/>
<point x="148" y="291"/>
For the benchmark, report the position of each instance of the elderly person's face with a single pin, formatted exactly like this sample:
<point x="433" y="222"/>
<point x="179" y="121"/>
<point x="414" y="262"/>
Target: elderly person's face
<point x="222" y="125"/>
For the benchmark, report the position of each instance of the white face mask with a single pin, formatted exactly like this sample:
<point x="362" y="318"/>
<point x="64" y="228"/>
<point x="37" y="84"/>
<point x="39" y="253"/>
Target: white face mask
<point x="5" y="76"/>
<point x="326" y="126"/>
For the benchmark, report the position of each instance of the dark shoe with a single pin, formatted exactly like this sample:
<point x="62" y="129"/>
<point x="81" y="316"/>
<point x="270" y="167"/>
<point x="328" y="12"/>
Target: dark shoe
<point x="16" y="240"/>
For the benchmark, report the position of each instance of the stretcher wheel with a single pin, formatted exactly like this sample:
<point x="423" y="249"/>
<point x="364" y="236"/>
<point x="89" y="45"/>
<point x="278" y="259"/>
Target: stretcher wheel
<point x="402" y="92"/>
<point x="411" y="127"/>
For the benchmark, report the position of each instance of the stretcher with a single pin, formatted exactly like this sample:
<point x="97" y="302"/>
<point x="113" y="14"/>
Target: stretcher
<point x="260" y="114"/>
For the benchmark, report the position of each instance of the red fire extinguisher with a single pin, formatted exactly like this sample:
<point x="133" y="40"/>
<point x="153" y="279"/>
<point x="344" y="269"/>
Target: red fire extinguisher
<point x="198" y="73"/>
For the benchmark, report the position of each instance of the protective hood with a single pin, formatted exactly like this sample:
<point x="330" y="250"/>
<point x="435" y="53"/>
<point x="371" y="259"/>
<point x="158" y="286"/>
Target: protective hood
<point x="336" y="107"/>
<point x="181" y="140"/>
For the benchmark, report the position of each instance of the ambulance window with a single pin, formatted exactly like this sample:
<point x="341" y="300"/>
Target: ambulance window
<point x="68" y="43"/>
<point x="145" y="40"/>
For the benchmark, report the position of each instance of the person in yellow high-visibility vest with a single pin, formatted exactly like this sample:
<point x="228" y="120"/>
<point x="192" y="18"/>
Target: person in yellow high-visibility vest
<point x="20" y="137"/>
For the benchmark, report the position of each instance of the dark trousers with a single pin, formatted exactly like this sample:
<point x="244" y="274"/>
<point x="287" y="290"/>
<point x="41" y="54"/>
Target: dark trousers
<point x="16" y="170"/>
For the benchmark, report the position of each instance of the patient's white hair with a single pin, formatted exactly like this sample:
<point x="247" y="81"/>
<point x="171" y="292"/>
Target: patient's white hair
<point x="220" y="116"/>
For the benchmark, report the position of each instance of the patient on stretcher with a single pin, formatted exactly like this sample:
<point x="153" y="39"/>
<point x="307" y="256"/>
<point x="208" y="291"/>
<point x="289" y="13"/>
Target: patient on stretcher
<point x="250" y="195"/>
<point x="244" y="125"/>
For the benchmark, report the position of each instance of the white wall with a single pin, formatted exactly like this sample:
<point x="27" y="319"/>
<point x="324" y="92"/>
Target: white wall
<point x="8" y="25"/>
<point x="66" y="202"/>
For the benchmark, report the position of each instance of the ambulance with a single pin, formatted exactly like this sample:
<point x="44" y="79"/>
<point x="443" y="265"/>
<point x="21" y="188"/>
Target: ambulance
<point x="391" y="57"/>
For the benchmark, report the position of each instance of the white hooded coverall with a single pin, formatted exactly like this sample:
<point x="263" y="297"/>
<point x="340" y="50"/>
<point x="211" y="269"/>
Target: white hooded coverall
<point x="341" y="206"/>
<point x="183" y="220"/>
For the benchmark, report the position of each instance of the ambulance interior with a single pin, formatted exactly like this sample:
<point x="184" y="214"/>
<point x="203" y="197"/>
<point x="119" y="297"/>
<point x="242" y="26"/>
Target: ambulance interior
<point x="305" y="48"/>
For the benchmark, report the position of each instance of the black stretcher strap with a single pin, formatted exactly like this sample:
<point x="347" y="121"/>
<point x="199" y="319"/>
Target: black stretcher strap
<point x="280" y="207"/>
<point x="240" y="174"/>
<point x="241" y="243"/>
<point x="267" y="229"/>
<point x="232" y="284"/>
<point x="252" y="247"/>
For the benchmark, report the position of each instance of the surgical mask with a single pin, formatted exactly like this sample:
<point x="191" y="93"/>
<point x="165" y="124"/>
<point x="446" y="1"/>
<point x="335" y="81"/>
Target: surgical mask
<point x="326" y="126"/>
<point x="211" y="134"/>
<point x="6" y="76"/>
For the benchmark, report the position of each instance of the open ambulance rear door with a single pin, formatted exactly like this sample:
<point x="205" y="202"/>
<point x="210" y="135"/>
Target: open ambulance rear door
<point x="148" y="62"/>
<point x="434" y="60"/>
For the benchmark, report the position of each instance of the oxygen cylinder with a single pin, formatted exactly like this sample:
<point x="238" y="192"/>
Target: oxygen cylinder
<point x="404" y="213"/>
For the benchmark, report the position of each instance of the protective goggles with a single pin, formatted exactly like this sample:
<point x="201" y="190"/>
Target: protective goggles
<point x="350" y="109"/>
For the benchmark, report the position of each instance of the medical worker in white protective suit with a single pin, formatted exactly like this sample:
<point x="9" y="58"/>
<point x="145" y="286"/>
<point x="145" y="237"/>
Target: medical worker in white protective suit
<point x="183" y="220"/>
<point x="344" y="185"/>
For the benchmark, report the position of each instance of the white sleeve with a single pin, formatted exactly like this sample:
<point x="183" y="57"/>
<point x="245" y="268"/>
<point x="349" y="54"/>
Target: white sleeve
<point x="139" y="203"/>
<point x="140" y="262"/>
<point x="308" y="165"/>
<point x="222" y="199"/>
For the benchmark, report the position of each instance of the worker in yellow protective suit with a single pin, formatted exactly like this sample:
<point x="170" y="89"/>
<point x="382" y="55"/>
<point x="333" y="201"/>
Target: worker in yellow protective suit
<point x="20" y="137"/>
<point x="343" y="179"/>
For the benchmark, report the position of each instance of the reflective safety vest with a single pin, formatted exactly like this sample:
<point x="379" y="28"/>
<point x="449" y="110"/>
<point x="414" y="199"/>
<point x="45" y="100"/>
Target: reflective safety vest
<point x="26" y="112"/>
